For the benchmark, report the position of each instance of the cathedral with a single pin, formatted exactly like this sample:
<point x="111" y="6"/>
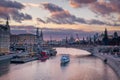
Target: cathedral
<point x="39" y="37"/>
<point x="4" y="37"/>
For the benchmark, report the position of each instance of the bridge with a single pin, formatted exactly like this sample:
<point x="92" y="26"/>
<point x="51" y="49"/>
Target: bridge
<point x="93" y="48"/>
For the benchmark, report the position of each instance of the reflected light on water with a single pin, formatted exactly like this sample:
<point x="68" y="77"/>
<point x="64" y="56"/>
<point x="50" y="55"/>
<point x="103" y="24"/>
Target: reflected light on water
<point x="79" y="68"/>
<point x="72" y="51"/>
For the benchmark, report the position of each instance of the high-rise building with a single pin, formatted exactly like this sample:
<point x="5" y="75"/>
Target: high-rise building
<point x="5" y="37"/>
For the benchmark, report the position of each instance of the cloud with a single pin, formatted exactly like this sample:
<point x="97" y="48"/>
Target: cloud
<point x="40" y="20"/>
<point x="15" y="27"/>
<point x="98" y="6"/>
<point x="52" y="7"/>
<point x="109" y="9"/>
<point x="11" y="9"/>
<point x="30" y="5"/>
<point x="97" y="22"/>
<point x="93" y="21"/>
<point x="60" y="16"/>
<point x="79" y="3"/>
<point x="11" y="4"/>
<point x="105" y="8"/>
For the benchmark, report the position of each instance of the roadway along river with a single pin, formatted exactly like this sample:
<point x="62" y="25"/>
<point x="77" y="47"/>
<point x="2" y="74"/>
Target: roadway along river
<point x="80" y="67"/>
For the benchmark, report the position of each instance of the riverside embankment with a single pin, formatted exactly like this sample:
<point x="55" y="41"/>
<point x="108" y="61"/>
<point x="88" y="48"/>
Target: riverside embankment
<point x="111" y="60"/>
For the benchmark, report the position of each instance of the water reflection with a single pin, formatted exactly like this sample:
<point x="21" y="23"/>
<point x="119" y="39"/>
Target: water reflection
<point x="72" y="51"/>
<point x="64" y="64"/>
<point x="79" y="68"/>
<point x="4" y="67"/>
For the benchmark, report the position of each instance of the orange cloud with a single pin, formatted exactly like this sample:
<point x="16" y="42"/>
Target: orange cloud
<point x="31" y="5"/>
<point x="74" y="4"/>
<point x="79" y="3"/>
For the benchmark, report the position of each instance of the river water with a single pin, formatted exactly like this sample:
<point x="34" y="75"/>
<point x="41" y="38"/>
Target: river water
<point x="80" y="67"/>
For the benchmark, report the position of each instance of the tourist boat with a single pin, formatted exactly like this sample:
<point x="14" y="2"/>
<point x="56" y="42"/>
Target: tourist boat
<point x="65" y="59"/>
<point x="52" y="52"/>
<point x="43" y="56"/>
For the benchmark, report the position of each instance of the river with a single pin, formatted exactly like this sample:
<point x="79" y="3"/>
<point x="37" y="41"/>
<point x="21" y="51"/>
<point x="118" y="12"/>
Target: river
<point x="80" y="67"/>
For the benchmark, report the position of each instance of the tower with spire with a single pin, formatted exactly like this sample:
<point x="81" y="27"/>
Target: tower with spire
<point x="5" y="37"/>
<point x="37" y="33"/>
<point x="105" y="37"/>
<point x="7" y="25"/>
<point x="39" y="36"/>
<point x="7" y="22"/>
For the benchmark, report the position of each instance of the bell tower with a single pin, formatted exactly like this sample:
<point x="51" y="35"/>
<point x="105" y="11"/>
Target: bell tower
<point x="7" y="25"/>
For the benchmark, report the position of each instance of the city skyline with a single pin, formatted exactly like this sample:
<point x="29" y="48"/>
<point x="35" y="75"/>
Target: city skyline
<point x="86" y="16"/>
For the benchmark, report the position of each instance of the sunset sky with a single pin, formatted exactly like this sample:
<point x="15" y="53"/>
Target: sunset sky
<point x="61" y="17"/>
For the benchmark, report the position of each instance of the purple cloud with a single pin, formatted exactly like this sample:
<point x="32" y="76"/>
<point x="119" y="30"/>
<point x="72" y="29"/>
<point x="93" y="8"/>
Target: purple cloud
<point x="106" y="8"/>
<point x="60" y="16"/>
<point x="11" y="4"/>
<point x="103" y="8"/>
<point x="98" y="6"/>
<point x="79" y="3"/>
<point x="12" y="9"/>
<point x="51" y="7"/>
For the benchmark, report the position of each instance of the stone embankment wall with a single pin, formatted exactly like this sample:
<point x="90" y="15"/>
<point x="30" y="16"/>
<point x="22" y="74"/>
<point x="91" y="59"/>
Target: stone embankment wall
<point x="114" y="63"/>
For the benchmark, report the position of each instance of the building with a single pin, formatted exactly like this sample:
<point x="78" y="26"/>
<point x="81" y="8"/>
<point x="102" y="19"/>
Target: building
<point x="105" y="38"/>
<point x="23" y="39"/>
<point x="39" y="37"/>
<point x="71" y="40"/>
<point x="23" y="42"/>
<point x="5" y="37"/>
<point x="26" y="42"/>
<point x="27" y="39"/>
<point x="14" y="39"/>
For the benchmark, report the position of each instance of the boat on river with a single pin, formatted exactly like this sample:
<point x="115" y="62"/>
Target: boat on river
<point x="50" y="51"/>
<point x="43" y="56"/>
<point x="65" y="59"/>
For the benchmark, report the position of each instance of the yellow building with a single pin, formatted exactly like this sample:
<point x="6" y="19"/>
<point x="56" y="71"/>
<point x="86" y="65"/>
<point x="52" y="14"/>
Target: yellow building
<point x="26" y="41"/>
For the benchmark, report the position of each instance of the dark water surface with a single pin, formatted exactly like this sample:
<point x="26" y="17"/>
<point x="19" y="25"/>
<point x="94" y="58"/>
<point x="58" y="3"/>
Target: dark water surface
<point x="80" y="67"/>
